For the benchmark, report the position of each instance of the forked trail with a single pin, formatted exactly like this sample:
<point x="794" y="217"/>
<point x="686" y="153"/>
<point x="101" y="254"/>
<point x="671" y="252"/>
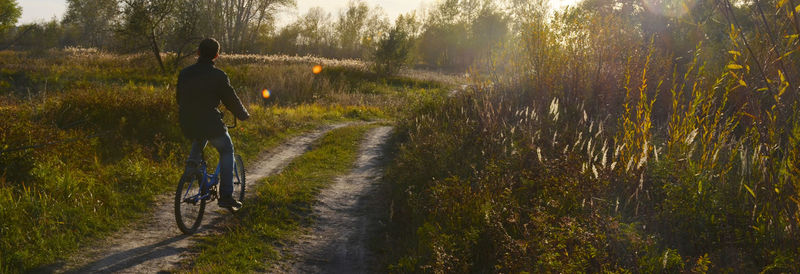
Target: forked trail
<point x="344" y="219"/>
<point x="155" y="244"/>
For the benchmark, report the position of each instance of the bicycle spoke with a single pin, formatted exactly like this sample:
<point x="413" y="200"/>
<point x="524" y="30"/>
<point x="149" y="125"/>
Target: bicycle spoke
<point x="189" y="208"/>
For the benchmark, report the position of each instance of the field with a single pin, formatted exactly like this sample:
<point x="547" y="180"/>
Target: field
<point x="614" y="136"/>
<point x="90" y="138"/>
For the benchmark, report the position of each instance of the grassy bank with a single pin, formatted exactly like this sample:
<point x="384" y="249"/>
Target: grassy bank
<point x="510" y="179"/>
<point x="609" y="140"/>
<point x="281" y="206"/>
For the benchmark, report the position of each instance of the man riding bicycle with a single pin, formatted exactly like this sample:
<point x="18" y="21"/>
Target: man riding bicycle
<point x="200" y="89"/>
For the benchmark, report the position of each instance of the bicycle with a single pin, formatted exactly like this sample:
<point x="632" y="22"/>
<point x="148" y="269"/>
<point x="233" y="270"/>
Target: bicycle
<point x="197" y="186"/>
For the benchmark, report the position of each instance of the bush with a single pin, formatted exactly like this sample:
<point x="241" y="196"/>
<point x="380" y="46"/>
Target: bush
<point x="392" y="53"/>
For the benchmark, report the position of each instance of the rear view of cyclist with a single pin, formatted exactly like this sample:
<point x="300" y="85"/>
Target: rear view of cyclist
<point x="201" y="88"/>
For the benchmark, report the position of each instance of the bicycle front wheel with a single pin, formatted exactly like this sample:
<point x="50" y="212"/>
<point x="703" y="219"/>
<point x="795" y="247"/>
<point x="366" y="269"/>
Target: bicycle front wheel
<point x="238" y="178"/>
<point x="189" y="205"/>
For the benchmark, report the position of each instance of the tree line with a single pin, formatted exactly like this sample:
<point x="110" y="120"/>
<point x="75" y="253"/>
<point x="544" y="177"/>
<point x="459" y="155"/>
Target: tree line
<point x="449" y="34"/>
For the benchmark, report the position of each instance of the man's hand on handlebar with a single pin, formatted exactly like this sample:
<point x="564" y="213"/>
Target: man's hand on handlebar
<point x="235" y="120"/>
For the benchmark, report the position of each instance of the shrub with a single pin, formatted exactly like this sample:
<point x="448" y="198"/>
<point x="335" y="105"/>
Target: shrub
<point x="392" y="53"/>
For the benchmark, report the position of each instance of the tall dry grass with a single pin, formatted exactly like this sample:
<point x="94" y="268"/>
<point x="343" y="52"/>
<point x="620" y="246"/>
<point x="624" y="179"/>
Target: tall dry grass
<point x="600" y="146"/>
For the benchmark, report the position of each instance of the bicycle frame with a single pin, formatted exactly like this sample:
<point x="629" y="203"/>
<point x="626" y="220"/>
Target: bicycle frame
<point x="208" y="181"/>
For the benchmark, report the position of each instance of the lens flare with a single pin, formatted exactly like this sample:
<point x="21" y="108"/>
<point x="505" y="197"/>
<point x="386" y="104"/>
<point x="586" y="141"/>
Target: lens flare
<point x="316" y="69"/>
<point x="265" y="93"/>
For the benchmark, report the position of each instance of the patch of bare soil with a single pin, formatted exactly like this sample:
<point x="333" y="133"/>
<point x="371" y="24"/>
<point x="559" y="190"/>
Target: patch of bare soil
<point x="344" y="219"/>
<point x="155" y="244"/>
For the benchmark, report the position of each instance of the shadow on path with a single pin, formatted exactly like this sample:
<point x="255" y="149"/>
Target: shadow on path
<point x="125" y="259"/>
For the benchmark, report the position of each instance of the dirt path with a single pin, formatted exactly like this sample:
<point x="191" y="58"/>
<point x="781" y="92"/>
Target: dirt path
<point x="344" y="218"/>
<point x="156" y="244"/>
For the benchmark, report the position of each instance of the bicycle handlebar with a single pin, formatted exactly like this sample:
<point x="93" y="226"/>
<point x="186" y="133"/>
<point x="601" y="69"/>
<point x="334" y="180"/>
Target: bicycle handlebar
<point x="234" y="123"/>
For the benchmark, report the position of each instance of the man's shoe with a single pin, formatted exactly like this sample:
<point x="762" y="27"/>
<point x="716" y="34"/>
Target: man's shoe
<point x="228" y="202"/>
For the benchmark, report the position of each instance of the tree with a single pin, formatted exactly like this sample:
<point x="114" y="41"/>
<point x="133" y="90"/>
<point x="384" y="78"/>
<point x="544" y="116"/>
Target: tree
<point x="315" y="34"/>
<point x="285" y="42"/>
<point x="9" y="14"/>
<point x="351" y="27"/>
<point x="445" y="40"/>
<point x="412" y="27"/>
<point x="94" y="19"/>
<point x="40" y="37"/>
<point x="489" y="28"/>
<point x="142" y="24"/>
<point x="444" y="44"/>
<point x="236" y="23"/>
<point x="184" y="30"/>
<point x="393" y="51"/>
<point x="377" y="26"/>
<point x="409" y="24"/>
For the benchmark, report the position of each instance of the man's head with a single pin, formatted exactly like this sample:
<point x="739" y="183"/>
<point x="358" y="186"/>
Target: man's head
<point x="209" y="48"/>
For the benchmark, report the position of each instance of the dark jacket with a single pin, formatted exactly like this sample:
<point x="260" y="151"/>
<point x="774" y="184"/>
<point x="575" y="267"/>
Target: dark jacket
<point x="201" y="87"/>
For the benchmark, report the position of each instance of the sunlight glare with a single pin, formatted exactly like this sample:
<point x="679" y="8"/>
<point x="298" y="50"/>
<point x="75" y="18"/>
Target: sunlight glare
<point x="316" y="69"/>
<point x="669" y="8"/>
<point x="561" y="4"/>
<point x="265" y="93"/>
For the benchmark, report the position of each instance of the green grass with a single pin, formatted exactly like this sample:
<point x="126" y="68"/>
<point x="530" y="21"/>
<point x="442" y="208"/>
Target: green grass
<point x="126" y="146"/>
<point x="72" y="193"/>
<point x="280" y="207"/>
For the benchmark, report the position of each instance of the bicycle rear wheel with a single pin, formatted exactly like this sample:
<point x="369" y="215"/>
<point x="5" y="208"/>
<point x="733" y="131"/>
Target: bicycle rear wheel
<point x="238" y="178"/>
<point x="189" y="207"/>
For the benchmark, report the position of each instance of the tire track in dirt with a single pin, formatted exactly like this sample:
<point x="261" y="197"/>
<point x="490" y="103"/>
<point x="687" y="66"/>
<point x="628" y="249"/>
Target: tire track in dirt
<point x="344" y="219"/>
<point x="155" y="244"/>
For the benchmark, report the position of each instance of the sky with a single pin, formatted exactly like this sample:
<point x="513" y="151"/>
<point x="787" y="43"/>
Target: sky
<point x="41" y="10"/>
<point x="393" y="8"/>
<point x="44" y="10"/>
